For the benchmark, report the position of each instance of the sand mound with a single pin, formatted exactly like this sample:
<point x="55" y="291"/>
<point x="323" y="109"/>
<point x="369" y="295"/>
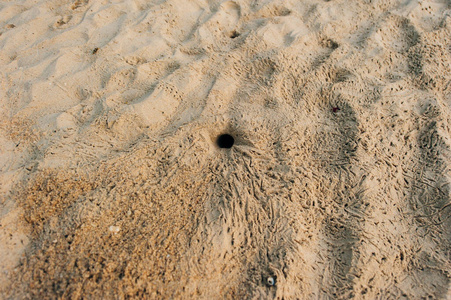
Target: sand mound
<point x="336" y="186"/>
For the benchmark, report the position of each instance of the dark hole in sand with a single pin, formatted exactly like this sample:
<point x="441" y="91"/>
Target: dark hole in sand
<point x="234" y="34"/>
<point x="225" y="141"/>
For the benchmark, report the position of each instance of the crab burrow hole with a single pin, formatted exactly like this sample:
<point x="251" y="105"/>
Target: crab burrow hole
<point x="225" y="141"/>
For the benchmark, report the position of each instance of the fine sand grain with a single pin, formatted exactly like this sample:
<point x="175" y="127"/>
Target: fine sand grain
<point x="112" y="184"/>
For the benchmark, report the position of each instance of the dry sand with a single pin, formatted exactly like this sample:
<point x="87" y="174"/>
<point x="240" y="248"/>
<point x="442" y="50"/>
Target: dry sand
<point x="112" y="185"/>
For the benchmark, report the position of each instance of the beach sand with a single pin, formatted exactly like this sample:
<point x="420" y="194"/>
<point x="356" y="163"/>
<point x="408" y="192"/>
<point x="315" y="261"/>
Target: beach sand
<point x="112" y="184"/>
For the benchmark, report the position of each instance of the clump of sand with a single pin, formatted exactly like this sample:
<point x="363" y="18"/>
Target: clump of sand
<point x="113" y="185"/>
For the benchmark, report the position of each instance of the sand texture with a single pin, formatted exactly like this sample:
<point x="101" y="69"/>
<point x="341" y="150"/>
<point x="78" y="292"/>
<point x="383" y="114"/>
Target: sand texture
<point x="112" y="185"/>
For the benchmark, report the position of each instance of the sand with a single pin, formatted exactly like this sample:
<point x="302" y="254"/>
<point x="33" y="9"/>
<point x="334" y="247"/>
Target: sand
<point x="113" y="185"/>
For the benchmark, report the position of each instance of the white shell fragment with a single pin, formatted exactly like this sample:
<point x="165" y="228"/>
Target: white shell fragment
<point x="270" y="281"/>
<point x="114" y="229"/>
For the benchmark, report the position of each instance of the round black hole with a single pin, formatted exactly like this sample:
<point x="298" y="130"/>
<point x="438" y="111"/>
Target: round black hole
<point x="225" y="141"/>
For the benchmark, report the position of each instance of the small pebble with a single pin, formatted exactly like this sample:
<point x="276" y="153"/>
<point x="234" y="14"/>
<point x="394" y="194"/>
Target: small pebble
<point x="114" y="229"/>
<point x="271" y="281"/>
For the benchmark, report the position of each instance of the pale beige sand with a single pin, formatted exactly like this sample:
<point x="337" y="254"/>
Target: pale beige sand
<point x="112" y="185"/>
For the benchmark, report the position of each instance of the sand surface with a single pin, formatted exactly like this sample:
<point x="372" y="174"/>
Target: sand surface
<point x="112" y="184"/>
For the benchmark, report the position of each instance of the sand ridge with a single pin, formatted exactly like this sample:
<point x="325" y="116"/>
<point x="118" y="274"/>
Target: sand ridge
<point x="337" y="185"/>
